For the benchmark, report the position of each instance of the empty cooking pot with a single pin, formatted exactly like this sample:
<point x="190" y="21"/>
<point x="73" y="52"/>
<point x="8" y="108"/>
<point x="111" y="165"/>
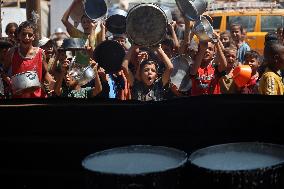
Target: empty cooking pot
<point x="248" y="165"/>
<point x="135" y="167"/>
<point x="73" y="44"/>
<point x="95" y="9"/>
<point x="203" y="30"/>
<point x="116" y="22"/>
<point x="192" y="9"/>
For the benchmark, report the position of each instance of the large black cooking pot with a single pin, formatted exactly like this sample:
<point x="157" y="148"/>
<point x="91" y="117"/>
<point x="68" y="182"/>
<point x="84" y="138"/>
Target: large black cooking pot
<point x="109" y="55"/>
<point x="135" y="167"/>
<point x="238" y="165"/>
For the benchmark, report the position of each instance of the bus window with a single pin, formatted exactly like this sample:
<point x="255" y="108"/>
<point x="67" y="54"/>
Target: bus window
<point x="271" y="23"/>
<point x="248" y="22"/>
<point x="216" y="22"/>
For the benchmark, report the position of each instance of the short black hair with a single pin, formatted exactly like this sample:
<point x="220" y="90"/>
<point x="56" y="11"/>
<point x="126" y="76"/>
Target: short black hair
<point x="146" y="62"/>
<point x="168" y="42"/>
<point x="26" y="24"/>
<point x="252" y="54"/>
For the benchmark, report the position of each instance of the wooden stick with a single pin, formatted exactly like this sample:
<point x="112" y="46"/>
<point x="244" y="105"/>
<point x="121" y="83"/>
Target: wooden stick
<point x="33" y="11"/>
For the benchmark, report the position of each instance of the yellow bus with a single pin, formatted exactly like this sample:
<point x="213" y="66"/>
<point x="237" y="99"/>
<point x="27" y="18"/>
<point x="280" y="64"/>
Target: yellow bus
<point x="257" y="20"/>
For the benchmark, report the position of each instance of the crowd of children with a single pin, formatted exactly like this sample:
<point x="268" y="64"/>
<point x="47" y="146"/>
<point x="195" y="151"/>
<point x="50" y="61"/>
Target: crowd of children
<point x="145" y="73"/>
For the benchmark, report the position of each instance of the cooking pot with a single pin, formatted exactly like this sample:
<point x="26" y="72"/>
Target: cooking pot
<point x="146" y="24"/>
<point x="135" y="167"/>
<point x="25" y="82"/>
<point x="109" y="55"/>
<point x="203" y="30"/>
<point x="248" y="165"/>
<point x="87" y="75"/>
<point x="116" y="22"/>
<point x="180" y="74"/>
<point x="73" y="44"/>
<point x="192" y="9"/>
<point x="95" y="9"/>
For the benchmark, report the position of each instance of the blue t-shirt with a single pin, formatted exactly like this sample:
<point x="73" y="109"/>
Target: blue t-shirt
<point x="242" y="51"/>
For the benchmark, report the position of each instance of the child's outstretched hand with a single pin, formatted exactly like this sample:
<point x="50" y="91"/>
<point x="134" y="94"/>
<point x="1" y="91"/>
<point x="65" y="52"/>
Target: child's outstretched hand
<point x="142" y="56"/>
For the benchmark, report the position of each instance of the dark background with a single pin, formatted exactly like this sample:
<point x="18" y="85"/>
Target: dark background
<point x="42" y="144"/>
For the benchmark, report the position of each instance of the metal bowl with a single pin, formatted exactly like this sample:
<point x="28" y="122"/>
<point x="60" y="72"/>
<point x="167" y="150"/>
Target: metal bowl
<point x="95" y="9"/>
<point x="73" y="44"/>
<point x="25" y="82"/>
<point x="116" y="22"/>
<point x="88" y="74"/>
<point x="192" y="9"/>
<point x="203" y="30"/>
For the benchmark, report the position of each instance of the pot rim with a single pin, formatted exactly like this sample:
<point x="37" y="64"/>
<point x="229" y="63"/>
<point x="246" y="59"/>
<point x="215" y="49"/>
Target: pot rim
<point x="179" y="165"/>
<point x="273" y="166"/>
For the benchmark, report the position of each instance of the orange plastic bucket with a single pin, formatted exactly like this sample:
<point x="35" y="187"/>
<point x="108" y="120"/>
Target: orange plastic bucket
<point x="242" y="75"/>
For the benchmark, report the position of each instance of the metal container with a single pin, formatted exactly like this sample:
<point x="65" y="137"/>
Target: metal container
<point x="248" y="165"/>
<point x="203" y="30"/>
<point x="116" y="22"/>
<point x="73" y="44"/>
<point x="135" y="167"/>
<point x="180" y="74"/>
<point x="25" y="82"/>
<point x="95" y="9"/>
<point x="109" y="55"/>
<point x="192" y="9"/>
<point x="146" y="24"/>
<point x="87" y="75"/>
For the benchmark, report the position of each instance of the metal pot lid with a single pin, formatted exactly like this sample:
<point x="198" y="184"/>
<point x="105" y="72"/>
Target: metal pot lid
<point x="73" y="43"/>
<point x="109" y="55"/>
<point x="135" y="160"/>
<point x="146" y="24"/>
<point x="234" y="157"/>
<point x="180" y="74"/>
<point x="95" y="9"/>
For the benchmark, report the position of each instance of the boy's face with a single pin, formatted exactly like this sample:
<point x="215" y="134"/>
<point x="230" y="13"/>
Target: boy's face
<point x="61" y="56"/>
<point x="70" y="81"/>
<point x="120" y="40"/>
<point x="26" y="37"/>
<point x="225" y="40"/>
<point x="86" y="24"/>
<point x="11" y="32"/>
<point x="231" y="57"/>
<point x="48" y="48"/>
<point x="236" y="33"/>
<point x="252" y="62"/>
<point x="208" y="56"/>
<point x="149" y="74"/>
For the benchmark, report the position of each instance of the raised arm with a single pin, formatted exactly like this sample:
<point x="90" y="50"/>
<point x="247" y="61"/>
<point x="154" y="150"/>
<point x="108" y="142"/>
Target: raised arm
<point x="98" y="85"/>
<point x="125" y="63"/>
<point x="169" y="66"/>
<point x="188" y="35"/>
<point x="174" y="35"/>
<point x="198" y="59"/>
<point x="58" y="83"/>
<point x="66" y="15"/>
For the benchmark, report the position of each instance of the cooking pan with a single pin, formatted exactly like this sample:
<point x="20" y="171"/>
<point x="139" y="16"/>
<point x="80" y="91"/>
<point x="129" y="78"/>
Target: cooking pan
<point x="135" y="167"/>
<point x="192" y="9"/>
<point x="73" y="44"/>
<point x="116" y="22"/>
<point x="95" y="9"/>
<point x="109" y="55"/>
<point x="250" y="165"/>
<point x="146" y="24"/>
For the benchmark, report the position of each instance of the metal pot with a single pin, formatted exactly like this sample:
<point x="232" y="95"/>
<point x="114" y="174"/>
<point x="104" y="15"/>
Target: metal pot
<point x="146" y="24"/>
<point x="109" y="55"/>
<point x="25" y="82"/>
<point x="116" y="22"/>
<point x="135" y="167"/>
<point x="203" y="30"/>
<point x="249" y="165"/>
<point x="87" y="75"/>
<point x="192" y="9"/>
<point x="180" y="74"/>
<point x="73" y="44"/>
<point x="95" y="9"/>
